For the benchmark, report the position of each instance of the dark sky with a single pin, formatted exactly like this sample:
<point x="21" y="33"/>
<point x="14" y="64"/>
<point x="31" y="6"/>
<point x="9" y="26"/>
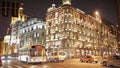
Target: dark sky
<point x="38" y="8"/>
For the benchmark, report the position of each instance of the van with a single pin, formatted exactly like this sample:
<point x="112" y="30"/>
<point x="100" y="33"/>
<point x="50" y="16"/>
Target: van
<point x="57" y="56"/>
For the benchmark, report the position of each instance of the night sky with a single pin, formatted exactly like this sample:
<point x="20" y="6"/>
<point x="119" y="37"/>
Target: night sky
<point x="38" y="8"/>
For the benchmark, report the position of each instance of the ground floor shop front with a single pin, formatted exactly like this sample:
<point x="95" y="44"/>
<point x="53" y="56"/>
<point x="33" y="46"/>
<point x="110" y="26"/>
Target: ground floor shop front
<point x="78" y="52"/>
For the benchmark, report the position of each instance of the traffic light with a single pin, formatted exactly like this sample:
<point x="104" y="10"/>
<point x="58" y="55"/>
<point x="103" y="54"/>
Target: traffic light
<point x="5" y="8"/>
<point x="14" y="9"/>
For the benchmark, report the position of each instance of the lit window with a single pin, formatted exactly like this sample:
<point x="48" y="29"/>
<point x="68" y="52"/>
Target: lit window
<point x="34" y="27"/>
<point x="34" y="34"/>
<point x="23" y="31"/>
<point x="30" y="28"/>
<point x="56" y="14"/>
<point x="37" y="34"/>
<point x="27" y="30"/>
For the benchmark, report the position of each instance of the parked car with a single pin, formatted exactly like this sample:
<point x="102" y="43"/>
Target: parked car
<point x="97" y="58"/>
<point x="90" y="59"/>
<point x="87" y="59"/>
<point x="112" y="61"/>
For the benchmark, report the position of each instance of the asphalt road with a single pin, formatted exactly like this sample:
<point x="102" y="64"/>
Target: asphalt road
<point x="69" y="63"/>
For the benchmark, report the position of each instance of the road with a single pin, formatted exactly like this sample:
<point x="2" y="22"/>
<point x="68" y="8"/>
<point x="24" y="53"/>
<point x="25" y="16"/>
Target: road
<point x="69" y="63"/>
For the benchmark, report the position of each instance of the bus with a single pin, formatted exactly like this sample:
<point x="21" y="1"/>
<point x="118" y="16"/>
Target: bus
<point x="32" y="54"/>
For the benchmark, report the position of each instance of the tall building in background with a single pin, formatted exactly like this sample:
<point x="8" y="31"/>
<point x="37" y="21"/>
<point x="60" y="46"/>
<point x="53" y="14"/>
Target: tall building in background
<point x="26" y="31"/>
<point x="14" y="29"/>
<point x="73" y="31"/>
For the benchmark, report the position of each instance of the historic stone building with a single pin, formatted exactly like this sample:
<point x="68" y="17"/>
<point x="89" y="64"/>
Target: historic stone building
<point x="32" y="32"/>
<point x="14" y="39"/>
<point x="26" y="31"/>
<point x="77" y="33"/>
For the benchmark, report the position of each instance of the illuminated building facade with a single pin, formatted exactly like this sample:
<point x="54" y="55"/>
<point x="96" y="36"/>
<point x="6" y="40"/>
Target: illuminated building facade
<point x="25" y="31"/>
<point x="4" y="47"/>
<point x="75" y="32"/>
<point x="14" y="29"/>
<point x="32" y="32"/>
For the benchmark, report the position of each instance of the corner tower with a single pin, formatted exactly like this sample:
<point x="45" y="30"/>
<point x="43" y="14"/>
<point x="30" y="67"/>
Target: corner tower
<point x="21" y="15"/>
<point x="66" y="2"/>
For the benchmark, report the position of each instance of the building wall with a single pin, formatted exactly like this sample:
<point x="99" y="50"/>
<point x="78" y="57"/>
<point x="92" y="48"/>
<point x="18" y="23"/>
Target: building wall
<point x="26" y="31"/>
<point x="76" y="32"/>
<point x="14" y="29"/>
<point x="4" y="48"/>
<point x="32" y="32"/>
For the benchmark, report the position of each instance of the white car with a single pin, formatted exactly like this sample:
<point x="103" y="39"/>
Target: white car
<point x="112" y="61"/>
